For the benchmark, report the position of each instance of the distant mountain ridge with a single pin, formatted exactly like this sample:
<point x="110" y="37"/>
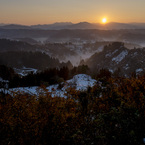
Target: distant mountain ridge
<point x="80" y="25"/>
<point x="61" y="25"/>
<point x="14" y="26"/>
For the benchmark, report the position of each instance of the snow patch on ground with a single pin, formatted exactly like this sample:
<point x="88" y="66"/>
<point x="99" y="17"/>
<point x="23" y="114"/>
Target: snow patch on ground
<point x="120" y="57"/>
<point x="110" y="54"/>
<point x="139" y="70"/>
<point x="111" y="70"/>
<point x="25" y="71"/>
<point x="80" y="82"/>
<point x="126" y="67"/>
<point x="135" y="53"/>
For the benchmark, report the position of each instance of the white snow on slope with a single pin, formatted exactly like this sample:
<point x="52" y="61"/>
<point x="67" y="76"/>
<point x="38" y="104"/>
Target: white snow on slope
<point x="139" y="70"/>
<point x="120" y="57"/>
<point x="25" y="71"/>
<point x="29" y="90"/>
<point x="82" y="81"/>
<point x="110" y="54"/>
<point x="79" y="82"/>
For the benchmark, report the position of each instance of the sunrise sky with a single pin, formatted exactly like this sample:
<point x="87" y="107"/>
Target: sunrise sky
<point x="29" y="12"/>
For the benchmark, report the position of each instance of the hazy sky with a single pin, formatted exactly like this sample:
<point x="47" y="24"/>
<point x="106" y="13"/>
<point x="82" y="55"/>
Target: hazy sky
<point x="49" y="11"/>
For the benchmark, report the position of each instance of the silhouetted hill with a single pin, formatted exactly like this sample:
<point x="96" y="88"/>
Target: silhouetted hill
<point x="36" y="60"/>
<point x="135" y="36"/>
<point x="55" y="50"/>
<point x="80" y="25"/>
<point x="86" y="25"/>
<point x="11" y="45"/>
<point x="15" y="26"/>
<point x="116" y="57"/>
<point x="62" y="25"/>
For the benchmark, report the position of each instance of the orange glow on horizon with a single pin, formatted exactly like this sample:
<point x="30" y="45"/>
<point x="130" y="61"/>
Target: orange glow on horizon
<point x="104" y="20"/>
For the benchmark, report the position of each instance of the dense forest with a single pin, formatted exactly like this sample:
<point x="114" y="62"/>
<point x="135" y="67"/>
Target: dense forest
<point x="113" y="113"/>
<point x="45" y="77"/>
<point x="36" y="60"/>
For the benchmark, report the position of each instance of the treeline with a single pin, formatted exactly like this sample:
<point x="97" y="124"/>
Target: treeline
<point x="37" y="60"/>
<point x="46" y="77"/>
<point x="55" y="76"/>
<point x="110" y="115"/>
<point x="13" y="45"/>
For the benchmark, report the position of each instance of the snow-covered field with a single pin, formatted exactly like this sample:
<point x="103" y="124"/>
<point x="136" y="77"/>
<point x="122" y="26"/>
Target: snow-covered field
<point x="79" y="82"/>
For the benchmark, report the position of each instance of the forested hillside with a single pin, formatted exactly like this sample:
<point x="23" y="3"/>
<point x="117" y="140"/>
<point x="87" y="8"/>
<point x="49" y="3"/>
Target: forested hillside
<point x="36" y="60"/>
<point x="116" y="57"/>
<point x="112" y="113"/>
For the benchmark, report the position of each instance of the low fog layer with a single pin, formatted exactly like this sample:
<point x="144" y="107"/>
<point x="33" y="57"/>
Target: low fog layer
<point x="66" y="47"/>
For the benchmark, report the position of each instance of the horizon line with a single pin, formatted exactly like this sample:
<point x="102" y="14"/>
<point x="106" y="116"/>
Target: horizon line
<point x="70" y="22"/>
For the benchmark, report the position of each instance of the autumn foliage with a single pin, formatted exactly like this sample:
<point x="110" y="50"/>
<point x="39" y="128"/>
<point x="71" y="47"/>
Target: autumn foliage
<point x="112" y="114"/>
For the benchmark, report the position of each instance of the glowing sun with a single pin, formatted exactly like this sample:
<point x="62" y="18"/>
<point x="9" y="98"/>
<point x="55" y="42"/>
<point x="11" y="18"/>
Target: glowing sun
<point x="104" y="20"/>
